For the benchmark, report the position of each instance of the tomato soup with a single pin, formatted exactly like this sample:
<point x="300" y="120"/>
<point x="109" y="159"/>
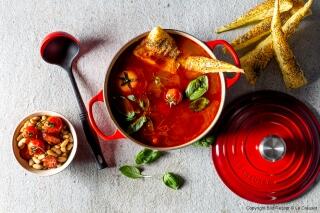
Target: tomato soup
<point x="142" y="109"/>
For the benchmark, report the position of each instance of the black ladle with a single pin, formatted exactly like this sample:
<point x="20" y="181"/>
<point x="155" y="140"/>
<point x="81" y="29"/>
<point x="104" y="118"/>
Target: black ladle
<point x="61" y="49"/>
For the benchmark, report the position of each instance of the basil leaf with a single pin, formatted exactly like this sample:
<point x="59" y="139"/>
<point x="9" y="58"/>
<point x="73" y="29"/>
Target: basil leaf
<point x="137" y="125"/>
<point x="131" y="171"/>
<point x="205" y="141"/>
<point x="147" y="156"/>
<point x="197" y="87"/>
<point x="199" y="104"/>
<point x="132" y="97"/>
<point x="130" y="116"/>
<point x="125" y="108"/>
<point x="144" y="103"/>
<point x="173" y="181"/>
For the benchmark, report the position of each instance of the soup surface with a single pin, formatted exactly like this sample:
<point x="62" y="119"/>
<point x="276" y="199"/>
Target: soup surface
<point x="163" y="124"/>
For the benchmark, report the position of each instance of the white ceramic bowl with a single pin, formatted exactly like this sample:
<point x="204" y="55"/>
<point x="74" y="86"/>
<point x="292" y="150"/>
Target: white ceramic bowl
<point x="24" y="164"/>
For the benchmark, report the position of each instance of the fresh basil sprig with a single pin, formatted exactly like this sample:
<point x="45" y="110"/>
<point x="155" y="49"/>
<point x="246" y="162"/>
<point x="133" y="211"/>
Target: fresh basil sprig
<point x="197" y="87"/>
<point x="132" y="172"/>
<point x="137" y="125"/>
<point x="173" y="181"/>
<point x="147" y="156"/>
<point x="205" y="141"/>
<point x="199" y="104"/>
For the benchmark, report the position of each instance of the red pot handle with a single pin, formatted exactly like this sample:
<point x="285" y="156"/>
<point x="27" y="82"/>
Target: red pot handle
<point x="114" y="136"/>
<point x="230" y="81"/>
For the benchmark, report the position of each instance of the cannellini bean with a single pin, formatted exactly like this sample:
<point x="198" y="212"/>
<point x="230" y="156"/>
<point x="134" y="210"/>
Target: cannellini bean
<point x="19" y="137"/>
<point x="69" y="147"/>
<point x="36" y="160"/>
<point x="65" y="136"/>
<point x="63" y="149"/>
<point x="62" y="159"/>
<point x="58" y="151"/>
<point x="43" y="117"/>
<point x="65" y="154"/>
<point x="40" y="157"/>
<point x="50" y="152"/>
<point x="37" y="166"/>
<point x="57" y="146"/>
<point x="22" y="129"/>
<point x="36" y="118"/>
<point x="32" y="121"/>
<point x="64" y="143"/>
<point x="21" y="143"/>
<point x="31" y="162"/>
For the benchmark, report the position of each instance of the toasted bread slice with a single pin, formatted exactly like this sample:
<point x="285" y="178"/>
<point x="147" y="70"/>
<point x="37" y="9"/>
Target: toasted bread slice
<point x="207" y="65"/>
<point x="258" y="13"/>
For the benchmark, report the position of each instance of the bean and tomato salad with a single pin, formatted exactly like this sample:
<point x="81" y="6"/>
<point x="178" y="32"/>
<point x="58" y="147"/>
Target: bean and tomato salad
<point x="45" y="142"/>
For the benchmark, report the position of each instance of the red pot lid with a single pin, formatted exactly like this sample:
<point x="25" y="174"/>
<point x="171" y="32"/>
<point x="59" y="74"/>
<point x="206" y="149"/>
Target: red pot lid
<point x="267" y="148"/>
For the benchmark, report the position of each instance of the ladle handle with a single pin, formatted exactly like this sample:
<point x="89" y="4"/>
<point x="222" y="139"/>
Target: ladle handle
<point x="89" y="133"/>
<point x="230" y="81"/>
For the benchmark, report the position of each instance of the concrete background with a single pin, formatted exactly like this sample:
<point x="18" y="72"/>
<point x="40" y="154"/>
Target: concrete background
<point x="28" y="84"/>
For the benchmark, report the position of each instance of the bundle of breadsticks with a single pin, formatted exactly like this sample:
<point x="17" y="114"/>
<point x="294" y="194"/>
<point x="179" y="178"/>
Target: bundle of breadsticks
<point x="275" y="21"/>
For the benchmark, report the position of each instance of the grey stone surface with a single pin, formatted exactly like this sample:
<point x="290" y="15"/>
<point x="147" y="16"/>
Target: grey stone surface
<point x="28" y="84"/>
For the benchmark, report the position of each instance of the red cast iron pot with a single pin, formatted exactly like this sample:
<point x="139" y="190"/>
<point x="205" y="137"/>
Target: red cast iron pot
<point x="226" y="82"/>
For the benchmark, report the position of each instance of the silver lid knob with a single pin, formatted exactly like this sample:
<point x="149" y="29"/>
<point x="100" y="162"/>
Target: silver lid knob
<point x="272" y="148"/>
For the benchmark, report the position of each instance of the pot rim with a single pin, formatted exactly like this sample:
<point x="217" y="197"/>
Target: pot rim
<point x="123" y="49"/>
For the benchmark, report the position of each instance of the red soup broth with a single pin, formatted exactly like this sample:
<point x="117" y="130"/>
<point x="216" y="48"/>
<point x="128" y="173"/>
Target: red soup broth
<point x="175" y="125"/>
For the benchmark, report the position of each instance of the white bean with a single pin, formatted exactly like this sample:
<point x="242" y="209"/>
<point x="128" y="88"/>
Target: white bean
<point x="21" y="143"/>
<point x="36" y="160"/>
<point x="50" y="152"/>
<point x="62" y="159"/>
<point x="43" y="117"/>
<point x="37" y="166"/>
<point x="36" y="118"/>
<point x="57" y="146"/>
<point x="65" y="136"/>
<point x="58" y="151"/>
<point x="63" y="149"/>
<point x="64" y="143"/>
<point x="19" y="137"/>
<point x="69" y="147"/>
<point x="40" y="157"/>
<point x="31" y="162"/>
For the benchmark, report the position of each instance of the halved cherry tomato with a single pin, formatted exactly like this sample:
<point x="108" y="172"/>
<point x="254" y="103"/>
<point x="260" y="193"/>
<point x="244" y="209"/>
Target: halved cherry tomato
<point x="51" y="139"/>
<point x="173" y="96"/>
<point x="36" y="147"/>
<point x="53" y="125"/>
<point x="50" y="161"/>
<point x="24" y="153"/>
<point x="127" y="80"/>
<point x="31" y="132"/>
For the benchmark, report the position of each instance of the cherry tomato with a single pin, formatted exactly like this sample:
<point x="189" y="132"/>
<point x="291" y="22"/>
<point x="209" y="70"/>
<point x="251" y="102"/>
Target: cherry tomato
<point x="50" y="161"/>
<point x="127" y="80"/>
<point x="24" y="153"/>
<point x="50" y="139"/>
<point x="31" y="132"/>
<point x="36" y="147"/>
<point x="53" y="125"/>
<point x="173" y="96"/>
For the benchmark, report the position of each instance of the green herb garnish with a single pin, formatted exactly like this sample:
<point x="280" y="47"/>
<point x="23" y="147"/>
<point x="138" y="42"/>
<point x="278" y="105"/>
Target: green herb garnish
<point x="199" y="104"/>
<point x="132" y="172"/>
<point x="137" y="125"/>
<point x="132" y="97"/>
<point x="147" y="156"/>
<point x="205" y="141"/>
<point x="173" y="181"/>
<point x="197" y="87"/>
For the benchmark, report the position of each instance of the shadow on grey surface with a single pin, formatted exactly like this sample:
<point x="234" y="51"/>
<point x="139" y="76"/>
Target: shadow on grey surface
<point x="86" y="46"/>
<point x="84" y="150"/>
<point x="305" y="44"/>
